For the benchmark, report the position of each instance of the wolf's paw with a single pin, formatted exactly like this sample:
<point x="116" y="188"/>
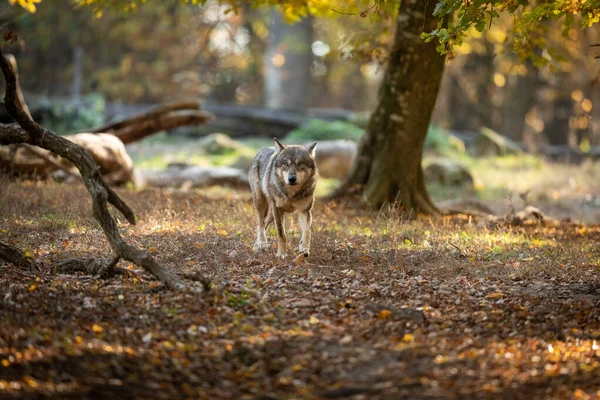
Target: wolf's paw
<point x="258" y="246"/>
<point x="281" y="254"/>
<point x="304" y="253"/>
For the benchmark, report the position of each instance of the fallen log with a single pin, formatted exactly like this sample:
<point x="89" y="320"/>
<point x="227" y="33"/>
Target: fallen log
<point x="162" y="118"/>
<point x="116" y="167"/>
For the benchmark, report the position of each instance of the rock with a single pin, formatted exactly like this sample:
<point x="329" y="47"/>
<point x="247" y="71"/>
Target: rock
<point x="243" y="161"/>
<point x="335" y="158"/>
<point x="219" y="143"/>
<point x="195" y="176"/>
<point x="448" y="172"/>
<point x="490" y="143"/>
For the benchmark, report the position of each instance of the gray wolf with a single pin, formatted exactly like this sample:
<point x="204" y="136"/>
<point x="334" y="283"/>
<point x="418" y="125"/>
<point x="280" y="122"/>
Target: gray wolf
<point x="283" y="179"/>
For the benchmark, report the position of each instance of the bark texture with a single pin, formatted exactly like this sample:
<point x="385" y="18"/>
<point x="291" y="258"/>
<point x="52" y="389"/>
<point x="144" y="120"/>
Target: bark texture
<point x="388" y="166"/>
<point x="27" y="131"/>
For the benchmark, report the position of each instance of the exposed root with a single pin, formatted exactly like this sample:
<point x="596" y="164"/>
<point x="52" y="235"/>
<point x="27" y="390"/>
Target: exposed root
<point x="16" y="257"/>
<point x="103" y="268"/>
<point x="198" y="277"/>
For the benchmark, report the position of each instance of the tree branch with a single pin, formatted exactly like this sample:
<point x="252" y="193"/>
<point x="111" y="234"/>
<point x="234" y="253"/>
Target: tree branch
<point x="101" y="194"/>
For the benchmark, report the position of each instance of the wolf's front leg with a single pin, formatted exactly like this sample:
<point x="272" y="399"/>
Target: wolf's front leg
<point x="281" y="236"/>
<point x="305" y="221"/>
<point x="262" y="210"/>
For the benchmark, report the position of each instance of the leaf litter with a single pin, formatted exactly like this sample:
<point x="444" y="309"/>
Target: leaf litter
<point x="382" y="309"/>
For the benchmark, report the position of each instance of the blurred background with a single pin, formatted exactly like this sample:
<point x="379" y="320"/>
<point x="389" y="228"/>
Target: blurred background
<point x="505" y="132"/>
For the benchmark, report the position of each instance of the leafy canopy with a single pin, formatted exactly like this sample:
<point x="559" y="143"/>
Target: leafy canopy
<point x="460" y="16"/>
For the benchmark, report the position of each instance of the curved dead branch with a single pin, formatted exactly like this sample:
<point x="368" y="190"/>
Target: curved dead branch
<point x="32" y="133"/>
<point x="161" y="118"/>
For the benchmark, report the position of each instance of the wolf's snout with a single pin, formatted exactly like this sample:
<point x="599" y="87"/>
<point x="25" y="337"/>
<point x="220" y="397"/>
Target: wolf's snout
<point x="292" y="179"/>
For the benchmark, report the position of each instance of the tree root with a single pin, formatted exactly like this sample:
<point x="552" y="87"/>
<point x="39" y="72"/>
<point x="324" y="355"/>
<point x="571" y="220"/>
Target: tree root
<point x="198" y="277"/>
<point x="103" y="268"/>
<point x="16" y="257"/>
<point x="28" y="131"/>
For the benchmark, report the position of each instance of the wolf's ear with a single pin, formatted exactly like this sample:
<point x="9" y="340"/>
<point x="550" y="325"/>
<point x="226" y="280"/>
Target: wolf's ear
<point x="280" y="145"/>
<point x="311" y="149"/>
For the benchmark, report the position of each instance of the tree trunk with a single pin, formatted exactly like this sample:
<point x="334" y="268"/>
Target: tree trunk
<point x="388" y="166"/>
<point x="557" y="129"/>
<point x="288" y="61"/>
<point x="77" y="84"/>
<point x="521" y="97"/>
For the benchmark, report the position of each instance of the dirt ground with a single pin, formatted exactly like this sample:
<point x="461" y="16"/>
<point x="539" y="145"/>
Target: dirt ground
<point x="384" y="308"/>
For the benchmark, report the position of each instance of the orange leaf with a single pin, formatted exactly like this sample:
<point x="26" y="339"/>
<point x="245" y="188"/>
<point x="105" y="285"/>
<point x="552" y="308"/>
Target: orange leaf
<point x="385" y="313"/>
<point x="494" y="295"/>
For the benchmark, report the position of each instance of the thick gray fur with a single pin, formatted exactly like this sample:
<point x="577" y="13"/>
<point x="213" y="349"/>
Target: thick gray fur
<point x="283" y="179"/>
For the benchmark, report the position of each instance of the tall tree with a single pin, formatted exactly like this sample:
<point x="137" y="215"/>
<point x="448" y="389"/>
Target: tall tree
<point x="389" y="158"/>
<point x="388" y="167"/>
<point x="288" y="60"/>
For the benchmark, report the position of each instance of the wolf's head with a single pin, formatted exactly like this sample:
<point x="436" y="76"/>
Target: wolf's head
<point x="295" y="165"/>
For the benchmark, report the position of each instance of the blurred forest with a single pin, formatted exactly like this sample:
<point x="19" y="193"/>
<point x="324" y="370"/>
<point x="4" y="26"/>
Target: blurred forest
<point x="494" y="296"/>
<point x="253" y="58"/>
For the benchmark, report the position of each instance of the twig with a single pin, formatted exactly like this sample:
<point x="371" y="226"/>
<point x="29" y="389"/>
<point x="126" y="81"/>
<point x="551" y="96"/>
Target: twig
<point x="462" y="253"/>
<point x="361" y="13"/>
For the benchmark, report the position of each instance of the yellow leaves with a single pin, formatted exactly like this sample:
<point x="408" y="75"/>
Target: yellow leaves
<point x="385" y="314"/>
<point x="297" y="367"/>
<point x="5" y="363"/>
<point x="152" y="249"/>
<point x="97" y="328"/>
<point x="32" y="287"/>
<point x="222" y="232"/>
<point x="588" y="367"/>
<point x="199" y="245"/>
<point x="495" y="295"/>
<point x="29" y="5"/>
<point x="499" y="79"/>
<point x="313" y="320"/>
<point x="29" y="381"/>
<point x="408" y="337"/>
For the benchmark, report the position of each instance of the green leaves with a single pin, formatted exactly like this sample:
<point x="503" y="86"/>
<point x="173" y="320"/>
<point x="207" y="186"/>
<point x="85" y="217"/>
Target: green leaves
<point x="463" y="17"/>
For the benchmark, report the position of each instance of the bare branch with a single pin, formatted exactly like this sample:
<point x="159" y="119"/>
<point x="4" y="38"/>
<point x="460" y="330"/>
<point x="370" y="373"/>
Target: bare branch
<point x="101" y="194"/>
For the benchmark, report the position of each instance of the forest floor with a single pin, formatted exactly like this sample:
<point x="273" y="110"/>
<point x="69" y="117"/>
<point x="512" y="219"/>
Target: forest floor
<point x="384" y="308"/>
